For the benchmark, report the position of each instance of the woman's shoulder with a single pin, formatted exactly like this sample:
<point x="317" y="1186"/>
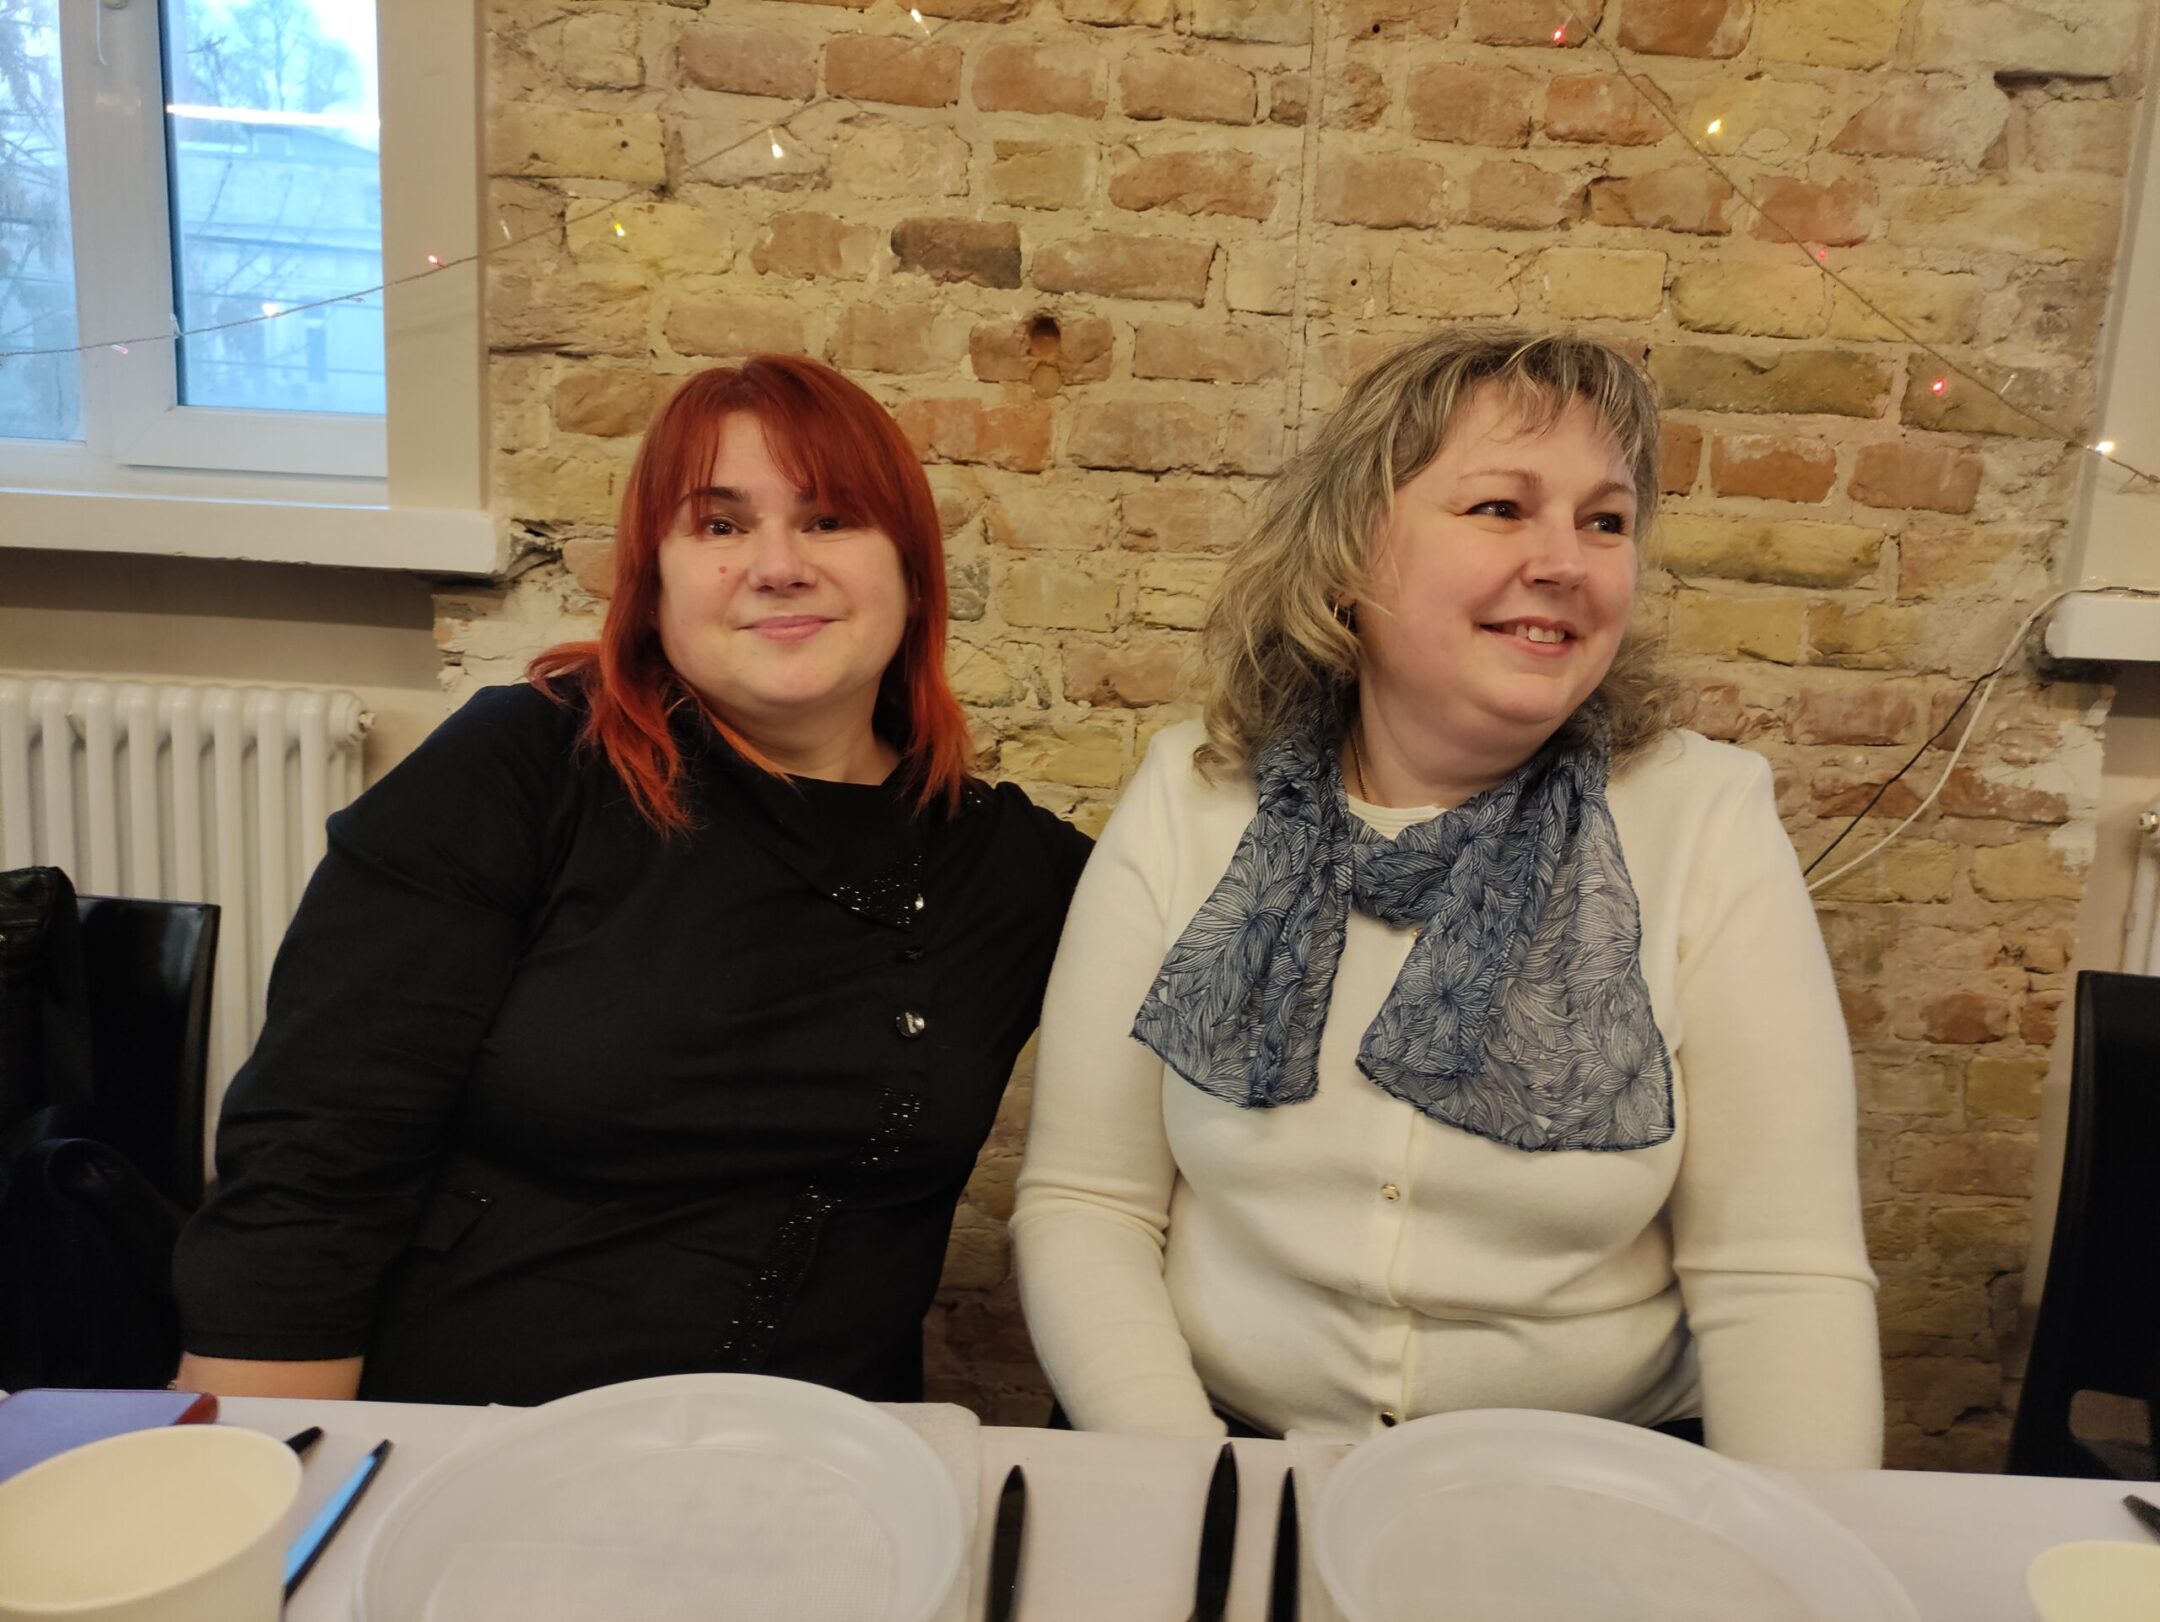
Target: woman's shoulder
<point x="1024" y="831"/>
<point x="1175" y="817"/>
<point x="1692" y="767"/>
<point x="518" y="714"/>
<point x="1171" y="769"/>
<point x="479" y="804"/>
<point x="1172" y="748"/>
<point x="512" y="742"/>
<point x="1683" y="797"/>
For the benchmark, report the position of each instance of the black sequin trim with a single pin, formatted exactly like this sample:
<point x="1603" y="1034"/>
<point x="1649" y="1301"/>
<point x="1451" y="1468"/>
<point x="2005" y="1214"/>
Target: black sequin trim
<point x="793" y="1246"/>
<point x="892" y="897"/>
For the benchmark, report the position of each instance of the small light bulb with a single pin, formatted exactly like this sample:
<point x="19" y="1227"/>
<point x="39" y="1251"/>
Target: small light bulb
<point x="120" y="349"/>
<point x="435" y="259"/>
<point x="1822" y="253"/>
<point x="619" y="231"/>
<point x="1559" y="35"/>
<point x="774" y="137"/>
<point x="2106" y="447"/>
<point x="1939" y="385"/>
<point x="1716" y="124"/>
<point x="915" y="12"/>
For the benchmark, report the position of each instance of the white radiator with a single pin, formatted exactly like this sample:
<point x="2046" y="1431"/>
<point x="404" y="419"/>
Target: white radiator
<point x="180" y="793"/>
<point x="2141" y="927"/>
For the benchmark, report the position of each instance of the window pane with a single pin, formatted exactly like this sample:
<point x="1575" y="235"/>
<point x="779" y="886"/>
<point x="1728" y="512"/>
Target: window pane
<point x="40" y="396"/>
<point x="277" y="201"/>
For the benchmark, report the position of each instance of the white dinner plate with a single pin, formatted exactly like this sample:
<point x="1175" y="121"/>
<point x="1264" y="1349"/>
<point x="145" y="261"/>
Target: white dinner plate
<point x="1510" y="1515"/>
<point x="674" y="1500"/>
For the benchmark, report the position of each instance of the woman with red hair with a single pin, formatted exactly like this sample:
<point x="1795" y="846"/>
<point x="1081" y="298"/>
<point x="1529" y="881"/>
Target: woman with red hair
<point x="649" y="1017"/>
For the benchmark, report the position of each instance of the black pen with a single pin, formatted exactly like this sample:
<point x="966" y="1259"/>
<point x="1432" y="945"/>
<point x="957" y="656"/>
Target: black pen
<point x="301" y="1441"/>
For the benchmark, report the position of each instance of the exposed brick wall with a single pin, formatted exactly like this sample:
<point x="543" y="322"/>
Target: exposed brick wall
<point x="1104" y="262"/>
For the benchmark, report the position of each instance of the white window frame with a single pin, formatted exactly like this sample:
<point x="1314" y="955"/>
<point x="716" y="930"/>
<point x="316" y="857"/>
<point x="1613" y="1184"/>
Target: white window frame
<point x="2115" y="536"/>
<point x="117" y="167"/>
<point x="404" y="491"/>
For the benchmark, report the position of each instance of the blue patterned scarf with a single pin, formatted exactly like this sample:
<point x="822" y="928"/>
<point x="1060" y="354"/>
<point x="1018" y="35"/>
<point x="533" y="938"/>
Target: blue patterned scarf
<point x="1520" y="1015"/>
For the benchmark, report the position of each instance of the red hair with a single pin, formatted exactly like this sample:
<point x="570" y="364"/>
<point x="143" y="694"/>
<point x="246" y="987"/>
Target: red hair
<point x="839" y="446"/>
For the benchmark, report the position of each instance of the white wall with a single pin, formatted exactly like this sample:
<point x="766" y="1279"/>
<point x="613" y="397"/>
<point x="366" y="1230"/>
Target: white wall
<point x="187" y="619"/>
<point x="2117" y="541"/>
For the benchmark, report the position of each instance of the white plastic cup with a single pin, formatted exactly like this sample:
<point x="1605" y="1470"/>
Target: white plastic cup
<point x="2096" y="1582"/>
<point x="180" y="1524"/>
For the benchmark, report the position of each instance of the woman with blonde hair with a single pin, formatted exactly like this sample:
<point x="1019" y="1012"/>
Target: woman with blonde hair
<point x="1440" y="1028"/>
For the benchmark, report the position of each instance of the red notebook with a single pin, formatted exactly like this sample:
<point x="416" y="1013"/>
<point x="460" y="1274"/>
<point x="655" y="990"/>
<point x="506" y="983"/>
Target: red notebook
<point x="36" y="1424"/>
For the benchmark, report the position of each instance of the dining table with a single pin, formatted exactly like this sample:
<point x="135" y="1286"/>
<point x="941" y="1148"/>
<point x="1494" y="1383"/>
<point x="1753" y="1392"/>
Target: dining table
<point x="1113" y="1521"/>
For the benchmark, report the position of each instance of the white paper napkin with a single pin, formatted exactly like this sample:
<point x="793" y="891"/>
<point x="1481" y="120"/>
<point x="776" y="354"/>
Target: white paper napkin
<point x="1311" y="1458"/>
<point x="955" y="1436"/>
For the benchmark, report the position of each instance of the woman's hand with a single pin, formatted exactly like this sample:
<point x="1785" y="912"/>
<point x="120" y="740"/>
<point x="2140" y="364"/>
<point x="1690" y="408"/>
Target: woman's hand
<point x="337" y="1377"/>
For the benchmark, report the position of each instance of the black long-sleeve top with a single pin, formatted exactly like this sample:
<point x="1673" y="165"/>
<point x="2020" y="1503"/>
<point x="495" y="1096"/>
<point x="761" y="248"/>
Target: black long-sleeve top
<point x="545" y="1099"/>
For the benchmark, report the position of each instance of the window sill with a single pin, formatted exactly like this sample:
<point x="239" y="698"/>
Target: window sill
<point x="423" y="540"/>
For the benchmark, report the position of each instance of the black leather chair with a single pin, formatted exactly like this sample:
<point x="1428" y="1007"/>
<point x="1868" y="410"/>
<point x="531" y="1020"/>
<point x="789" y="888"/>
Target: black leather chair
<point x="104" y="1042"/>
<point x="2099" y="1324"/>
<point x="148" y="967"/>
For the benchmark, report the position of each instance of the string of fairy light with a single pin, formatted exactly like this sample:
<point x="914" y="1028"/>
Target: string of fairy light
<point x="1819" y="255"/>
<point x="435" y="264"/>
<point x="1568" y="26"/>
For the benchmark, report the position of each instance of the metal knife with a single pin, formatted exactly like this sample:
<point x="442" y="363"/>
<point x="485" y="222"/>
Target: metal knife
<point x="1005" y="1543"/>
<point x="2148" y="1514"/>
<point x="315" y="1537"/>
<point x="1282" y="1602"/>
<point x="1218" y="1539"/>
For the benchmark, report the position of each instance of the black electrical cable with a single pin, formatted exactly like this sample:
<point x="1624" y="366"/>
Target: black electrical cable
<point x="1861" y="815"/>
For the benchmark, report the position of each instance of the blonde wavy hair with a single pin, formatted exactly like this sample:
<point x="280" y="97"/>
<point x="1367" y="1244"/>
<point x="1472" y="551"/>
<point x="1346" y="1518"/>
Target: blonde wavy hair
<point x="1276" y="645"/>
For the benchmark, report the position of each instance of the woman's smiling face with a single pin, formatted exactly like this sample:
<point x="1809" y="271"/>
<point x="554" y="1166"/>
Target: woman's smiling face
<point x="778" y="611"/>
<point x="1502" y="580"/>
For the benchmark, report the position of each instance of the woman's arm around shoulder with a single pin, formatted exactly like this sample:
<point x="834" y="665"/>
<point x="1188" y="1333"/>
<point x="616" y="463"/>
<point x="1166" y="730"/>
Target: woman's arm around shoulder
<point x="1766" y="1212"/>
<point x="383" y="989"/>
<point x="1093" y="1211"/>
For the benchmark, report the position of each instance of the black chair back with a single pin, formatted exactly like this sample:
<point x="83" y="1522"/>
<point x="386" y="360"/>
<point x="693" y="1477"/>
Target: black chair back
<point x="2099" y="1323"/>
<point x="148" y="967"/>
<point x="104" y="1044"/>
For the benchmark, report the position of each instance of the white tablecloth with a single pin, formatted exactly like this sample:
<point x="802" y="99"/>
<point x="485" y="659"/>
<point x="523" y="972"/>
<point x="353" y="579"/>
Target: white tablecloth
<point x="1113" y="1521"/>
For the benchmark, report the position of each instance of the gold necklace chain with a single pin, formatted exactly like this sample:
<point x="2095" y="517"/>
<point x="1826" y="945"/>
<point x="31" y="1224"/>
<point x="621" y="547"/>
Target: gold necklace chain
<point x="1357" y="763"/>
